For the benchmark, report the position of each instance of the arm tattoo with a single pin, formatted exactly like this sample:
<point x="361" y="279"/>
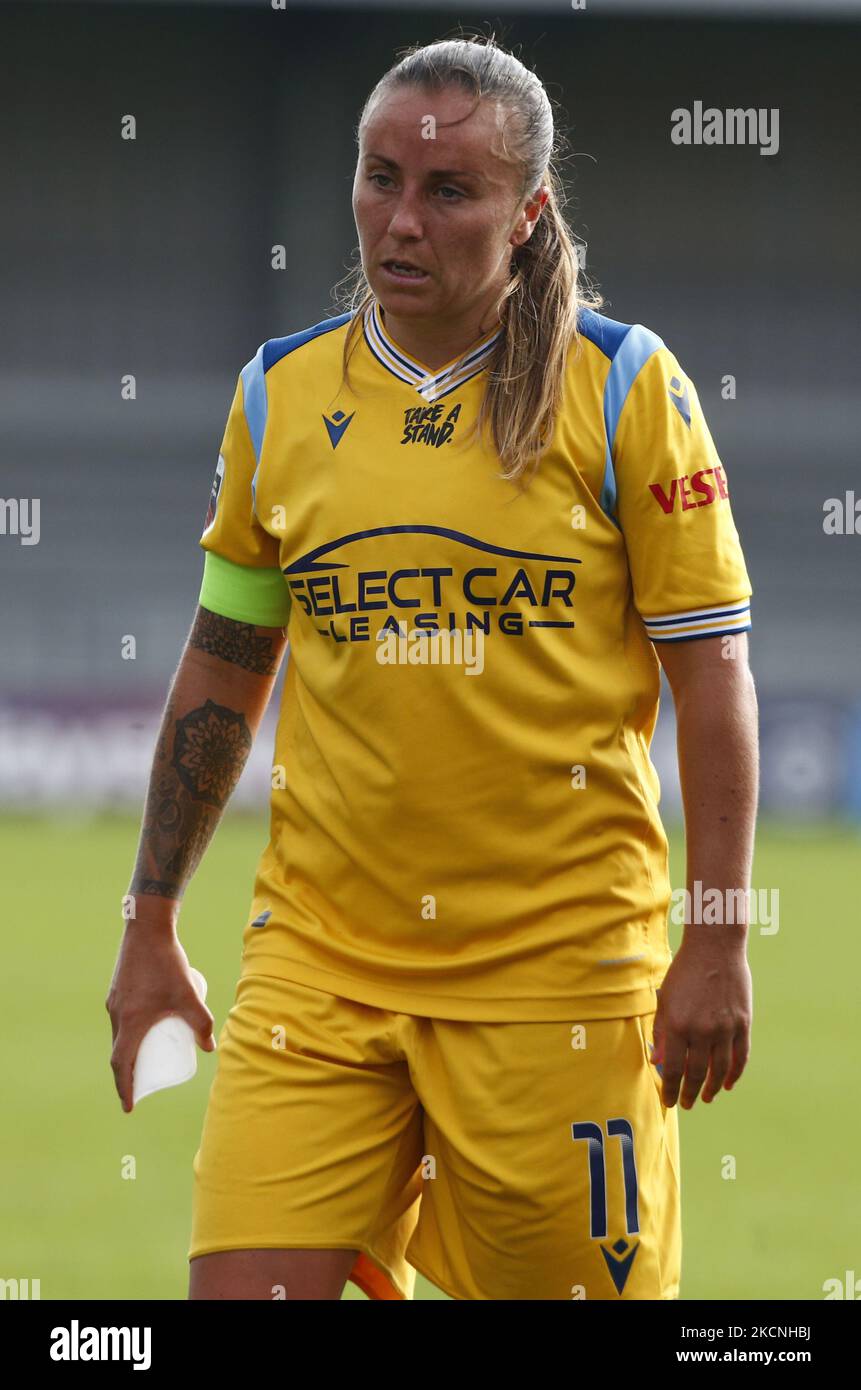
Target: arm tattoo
<point x="198" y="762"/>
<point x="239" y="643"/>
<point x="210" y="746"/>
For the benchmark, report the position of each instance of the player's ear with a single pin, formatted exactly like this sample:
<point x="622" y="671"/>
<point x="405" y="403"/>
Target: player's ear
<point x="529" y="215"/>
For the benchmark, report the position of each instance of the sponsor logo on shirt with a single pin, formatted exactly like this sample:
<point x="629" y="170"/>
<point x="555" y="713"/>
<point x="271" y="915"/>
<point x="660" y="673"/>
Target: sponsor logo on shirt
<point x="481" y="585"/>
<point x="691" y="490"/>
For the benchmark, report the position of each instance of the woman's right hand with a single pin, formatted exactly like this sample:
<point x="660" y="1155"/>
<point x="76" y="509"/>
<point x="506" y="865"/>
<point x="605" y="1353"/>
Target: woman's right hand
<point x="151" y="980"/>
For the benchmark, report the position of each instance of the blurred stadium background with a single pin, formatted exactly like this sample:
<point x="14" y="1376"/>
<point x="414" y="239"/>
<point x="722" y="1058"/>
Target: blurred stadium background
<point x="153" y="258"/>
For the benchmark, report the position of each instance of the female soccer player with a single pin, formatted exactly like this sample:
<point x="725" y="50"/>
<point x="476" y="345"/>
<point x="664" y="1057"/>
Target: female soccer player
<point x="481" y="512"/>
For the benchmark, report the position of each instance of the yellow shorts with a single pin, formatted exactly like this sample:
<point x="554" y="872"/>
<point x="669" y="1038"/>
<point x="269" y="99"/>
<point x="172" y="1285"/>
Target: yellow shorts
<point x="501" y="1160"/>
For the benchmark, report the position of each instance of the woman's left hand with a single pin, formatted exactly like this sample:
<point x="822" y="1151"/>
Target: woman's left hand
<point x="703" y="1019"/>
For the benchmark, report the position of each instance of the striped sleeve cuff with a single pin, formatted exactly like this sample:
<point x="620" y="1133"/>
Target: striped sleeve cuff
<point x="246" y="594"/>
<point x="720" y="620"/>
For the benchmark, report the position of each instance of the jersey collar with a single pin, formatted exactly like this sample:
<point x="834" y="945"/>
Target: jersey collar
<point x="430" y="385"/>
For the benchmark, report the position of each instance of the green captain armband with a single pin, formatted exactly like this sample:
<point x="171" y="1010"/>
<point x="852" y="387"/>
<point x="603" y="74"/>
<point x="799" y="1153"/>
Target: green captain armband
<point x="246" y="594"/>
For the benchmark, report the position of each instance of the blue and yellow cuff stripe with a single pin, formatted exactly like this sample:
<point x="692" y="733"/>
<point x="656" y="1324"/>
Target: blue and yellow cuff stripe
<point x="720" y="620"/>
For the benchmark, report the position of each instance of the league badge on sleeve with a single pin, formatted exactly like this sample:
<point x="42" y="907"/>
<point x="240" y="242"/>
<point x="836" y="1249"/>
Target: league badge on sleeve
<point x="217" y="484"/>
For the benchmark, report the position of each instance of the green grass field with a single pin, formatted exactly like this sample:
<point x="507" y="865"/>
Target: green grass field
<point x="789" y="1220"/>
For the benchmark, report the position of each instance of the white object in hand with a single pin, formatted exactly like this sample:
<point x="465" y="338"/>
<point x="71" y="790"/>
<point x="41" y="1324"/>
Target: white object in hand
<point x="167" y="1055"/>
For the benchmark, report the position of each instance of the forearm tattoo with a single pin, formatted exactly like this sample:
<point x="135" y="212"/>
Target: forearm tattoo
<point x="198" y="762"/>
<point x="239" y="643"/>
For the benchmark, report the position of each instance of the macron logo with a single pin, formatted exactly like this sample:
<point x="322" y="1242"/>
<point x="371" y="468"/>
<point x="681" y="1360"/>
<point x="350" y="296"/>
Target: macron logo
<point x="681" y="400"/>
<point x="337" y="426"/>
<point x="78" y="1343"/>
<point x="619" y="1268"/>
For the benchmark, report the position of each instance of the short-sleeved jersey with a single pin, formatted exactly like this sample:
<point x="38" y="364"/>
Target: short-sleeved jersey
<point x="464" y="817"/>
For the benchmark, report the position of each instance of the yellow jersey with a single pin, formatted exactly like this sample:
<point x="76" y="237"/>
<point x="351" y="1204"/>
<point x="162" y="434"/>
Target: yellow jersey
<point x="464" y="816"/>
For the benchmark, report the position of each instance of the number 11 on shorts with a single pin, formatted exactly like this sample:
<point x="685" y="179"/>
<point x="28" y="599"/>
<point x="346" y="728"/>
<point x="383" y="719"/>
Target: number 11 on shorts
<point x="593" y="1134"/>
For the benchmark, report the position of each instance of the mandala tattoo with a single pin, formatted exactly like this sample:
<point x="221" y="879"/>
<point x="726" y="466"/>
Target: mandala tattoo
<point x="239" y="643"/>
<point x="209" y="752"/>
<point x="198" y="762"/>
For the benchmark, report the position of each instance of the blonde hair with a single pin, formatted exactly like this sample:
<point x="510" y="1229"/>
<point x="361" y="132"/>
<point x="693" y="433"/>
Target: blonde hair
<point x="539" y="306"/>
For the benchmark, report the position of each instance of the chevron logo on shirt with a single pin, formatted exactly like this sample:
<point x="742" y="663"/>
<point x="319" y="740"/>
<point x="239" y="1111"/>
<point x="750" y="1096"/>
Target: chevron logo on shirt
<point x="619" y="1261"/>
<point x="337" y="426"/>
<point x="679" y="397"/>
